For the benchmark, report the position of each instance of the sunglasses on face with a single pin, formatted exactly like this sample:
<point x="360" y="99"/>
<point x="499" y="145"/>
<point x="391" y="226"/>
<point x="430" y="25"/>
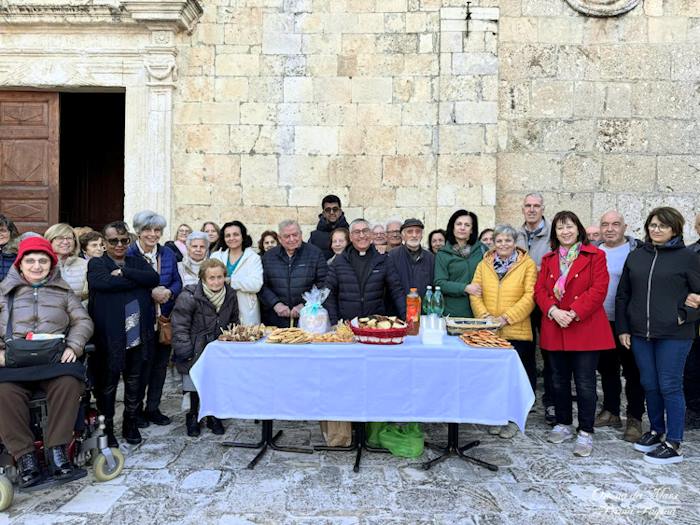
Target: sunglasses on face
<point x="124" y="241"/>
<point x="334" y="209"/>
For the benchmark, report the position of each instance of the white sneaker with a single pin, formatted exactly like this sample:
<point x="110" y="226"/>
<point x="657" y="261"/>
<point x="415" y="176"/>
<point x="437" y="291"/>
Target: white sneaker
<point x="559" y="434"/>
<point x="584" y="444"/>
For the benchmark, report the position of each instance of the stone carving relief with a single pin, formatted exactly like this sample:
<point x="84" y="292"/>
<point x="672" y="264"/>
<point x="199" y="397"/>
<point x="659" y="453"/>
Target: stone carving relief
<point x="48" y="73"/>
<point x="603" y="7"/>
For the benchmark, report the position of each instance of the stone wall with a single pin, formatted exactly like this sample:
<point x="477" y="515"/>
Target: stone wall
<point x="600" y="113"/>
<point x="394" y="107"/>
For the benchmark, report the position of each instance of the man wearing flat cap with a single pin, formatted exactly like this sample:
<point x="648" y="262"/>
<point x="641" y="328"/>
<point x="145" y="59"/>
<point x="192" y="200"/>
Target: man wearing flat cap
<point x="414" y="265"/>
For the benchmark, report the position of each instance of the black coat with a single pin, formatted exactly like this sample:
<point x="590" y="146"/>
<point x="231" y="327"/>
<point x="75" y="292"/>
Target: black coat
<point x="412" y="274"/>
<point x="650" y="305"/>
<point x="109" y="295"/>
<point x="350" y="298"/>
<point x="321" y="236"/>
<point x="196" y="323"/>
<point x="285" y="280"/>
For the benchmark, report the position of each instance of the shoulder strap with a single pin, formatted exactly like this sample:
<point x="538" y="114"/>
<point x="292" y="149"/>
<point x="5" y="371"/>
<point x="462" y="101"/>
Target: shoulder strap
<point x="10" y="304"/>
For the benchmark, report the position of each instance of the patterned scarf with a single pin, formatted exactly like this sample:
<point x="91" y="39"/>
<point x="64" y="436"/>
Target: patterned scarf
<point x="216" y="298"/>
<point x="462" y="252"/>
<point x="191" y="267"/>
<point x="566" y="260"/>
<point x="503" y="265"/>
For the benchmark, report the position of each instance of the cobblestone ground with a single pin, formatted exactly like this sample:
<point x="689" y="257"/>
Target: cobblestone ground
<point x="171" y="478"/>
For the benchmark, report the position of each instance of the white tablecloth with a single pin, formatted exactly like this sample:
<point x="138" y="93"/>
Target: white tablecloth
<point x="358" y="382"/>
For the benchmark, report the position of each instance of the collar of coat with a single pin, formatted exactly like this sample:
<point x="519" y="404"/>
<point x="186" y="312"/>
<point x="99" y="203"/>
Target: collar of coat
<point x="14" y="280"/>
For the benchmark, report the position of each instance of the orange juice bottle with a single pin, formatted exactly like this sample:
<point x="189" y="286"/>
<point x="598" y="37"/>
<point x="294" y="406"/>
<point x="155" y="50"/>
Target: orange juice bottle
<point x="413" y="311"/>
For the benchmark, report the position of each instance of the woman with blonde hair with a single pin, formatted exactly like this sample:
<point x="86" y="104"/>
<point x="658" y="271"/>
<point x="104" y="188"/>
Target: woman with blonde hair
<point x="73" y="268"/>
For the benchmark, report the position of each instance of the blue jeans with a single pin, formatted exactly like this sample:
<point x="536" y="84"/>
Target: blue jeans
<point x="661" y="363"/>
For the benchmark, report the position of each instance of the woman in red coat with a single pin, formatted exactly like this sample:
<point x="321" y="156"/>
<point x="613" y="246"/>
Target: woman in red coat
<point x="570" y="290"/>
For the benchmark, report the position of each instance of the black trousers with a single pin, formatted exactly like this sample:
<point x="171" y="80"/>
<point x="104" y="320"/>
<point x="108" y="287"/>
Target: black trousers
<point x="691" y="378"/>
<point x="536" y="322"/>
<point x="526" y="352"/>
<point x="154" y="372"/>
<point x="609" y="368"/>
<point x="582" y="365"/>
<point x="106" y="379"/>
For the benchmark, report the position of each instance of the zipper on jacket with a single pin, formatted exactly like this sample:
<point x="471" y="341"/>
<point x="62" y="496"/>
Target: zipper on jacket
<point x="36" y="308"/>
<point x="651" y="271"/>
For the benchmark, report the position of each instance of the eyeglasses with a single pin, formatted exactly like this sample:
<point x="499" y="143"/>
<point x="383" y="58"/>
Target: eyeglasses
<point x="394" y="233"/>
<point x="43" y="261"/>
<point x="361" y="233"/>
<point x="332" y="209"/>
<point x="124" y="241"/>
<point x="64" y="238"/>
<point x="659" y="227"/>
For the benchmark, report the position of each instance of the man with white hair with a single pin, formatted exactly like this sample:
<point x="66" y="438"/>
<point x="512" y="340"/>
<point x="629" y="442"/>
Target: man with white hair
<point x="393" y="234"/>
<point x="617" y="246"/>
<point x="533" y="237"/>
<point x="289" y="269"/>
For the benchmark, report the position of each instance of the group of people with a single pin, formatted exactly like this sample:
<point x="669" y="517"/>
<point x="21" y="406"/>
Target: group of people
<point x="590" y="305"/>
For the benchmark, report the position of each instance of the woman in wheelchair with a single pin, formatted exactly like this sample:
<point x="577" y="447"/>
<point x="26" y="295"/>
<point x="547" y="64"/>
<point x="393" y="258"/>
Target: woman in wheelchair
<point x="36" y="304"/>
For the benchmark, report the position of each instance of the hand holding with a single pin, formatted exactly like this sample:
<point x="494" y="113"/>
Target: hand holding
<point x="282" y="310"/>
<point x="2" y="358"/>
<point x="473" y="289"/>
<point x="296" y="311"/>
<point x="625" y="340"/>
<point x="693" y="300"/>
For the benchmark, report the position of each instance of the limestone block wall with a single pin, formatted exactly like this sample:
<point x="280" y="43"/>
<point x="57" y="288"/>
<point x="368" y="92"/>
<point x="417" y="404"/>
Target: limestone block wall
<point x="386" y="103"/>
<point x="600" y="112"/>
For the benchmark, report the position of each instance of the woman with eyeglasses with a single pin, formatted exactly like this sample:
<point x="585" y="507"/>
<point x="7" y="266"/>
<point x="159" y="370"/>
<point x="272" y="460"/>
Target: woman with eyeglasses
<point x="122" y="309"/>
<point x="73" y="268"/>
<point x="655" y="320"/>
<point x="178" y="244"/>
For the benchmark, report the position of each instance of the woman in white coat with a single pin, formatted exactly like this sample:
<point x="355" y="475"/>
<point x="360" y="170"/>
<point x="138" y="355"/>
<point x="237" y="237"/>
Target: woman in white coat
<point x="243" y="269"/>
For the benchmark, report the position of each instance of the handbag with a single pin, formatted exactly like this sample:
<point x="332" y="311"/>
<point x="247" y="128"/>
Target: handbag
<point x="165" y="330"/>
<point x="21" y="353"/>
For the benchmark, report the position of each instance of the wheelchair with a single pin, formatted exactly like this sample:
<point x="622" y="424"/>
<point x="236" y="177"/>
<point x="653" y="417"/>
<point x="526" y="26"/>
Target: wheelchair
<point x="87" y="448"/>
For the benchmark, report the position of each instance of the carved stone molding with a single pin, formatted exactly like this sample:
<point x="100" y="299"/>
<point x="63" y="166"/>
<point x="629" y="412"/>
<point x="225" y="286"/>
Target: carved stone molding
<point x="175" y="15"/>
<point x="603" y="8"/>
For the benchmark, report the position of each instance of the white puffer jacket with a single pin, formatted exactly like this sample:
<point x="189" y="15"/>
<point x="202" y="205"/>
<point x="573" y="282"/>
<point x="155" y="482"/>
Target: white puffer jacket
<point x="247" y="279"/>
<point x="74" y="272"/>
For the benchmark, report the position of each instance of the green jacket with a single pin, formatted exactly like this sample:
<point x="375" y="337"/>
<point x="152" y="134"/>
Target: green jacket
<point x="453" y="273"/>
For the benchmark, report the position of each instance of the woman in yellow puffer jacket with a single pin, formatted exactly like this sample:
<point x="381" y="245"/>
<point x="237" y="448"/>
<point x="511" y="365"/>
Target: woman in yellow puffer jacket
<point x="507" y="277"/>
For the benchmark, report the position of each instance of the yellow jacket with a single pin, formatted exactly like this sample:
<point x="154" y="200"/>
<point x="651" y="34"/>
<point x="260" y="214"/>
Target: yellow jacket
<point x="512" y="296"/>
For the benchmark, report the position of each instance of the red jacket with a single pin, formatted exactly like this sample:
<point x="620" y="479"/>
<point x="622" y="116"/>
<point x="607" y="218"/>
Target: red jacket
<point x="586" y="288"/>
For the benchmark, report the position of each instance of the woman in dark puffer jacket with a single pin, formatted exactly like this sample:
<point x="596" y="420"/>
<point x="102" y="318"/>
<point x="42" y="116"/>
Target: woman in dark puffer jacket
<point x="200" y="312"/>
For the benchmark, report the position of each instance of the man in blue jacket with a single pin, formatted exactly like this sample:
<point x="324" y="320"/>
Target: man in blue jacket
<point x="289" y="270"/>
<point x="359" y="279"/>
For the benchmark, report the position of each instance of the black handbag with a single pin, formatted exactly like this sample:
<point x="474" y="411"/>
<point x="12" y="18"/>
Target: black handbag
<point x="21" y="353"/>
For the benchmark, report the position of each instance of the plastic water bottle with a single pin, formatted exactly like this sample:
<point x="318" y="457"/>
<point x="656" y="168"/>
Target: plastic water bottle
<point x="428" y="301"/>
<point x="438" y="306"/>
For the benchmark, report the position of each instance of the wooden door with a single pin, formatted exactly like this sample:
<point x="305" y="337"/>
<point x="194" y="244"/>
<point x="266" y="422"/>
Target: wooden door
<point x="29" y="129"/>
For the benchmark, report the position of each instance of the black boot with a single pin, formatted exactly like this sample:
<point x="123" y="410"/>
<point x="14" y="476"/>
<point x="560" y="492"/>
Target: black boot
<point x="141" y="421"/>
<point x="130" y="431"/>
<point x="60" y="466"/>
<point x="157" y="417"/>
<point x="192" y="424"/>
<point x="109" y="432"/>
<point x="214" y="424"/>
<point x="29" y="473"/>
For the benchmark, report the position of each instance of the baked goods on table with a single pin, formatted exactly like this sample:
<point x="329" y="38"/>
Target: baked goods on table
<point x="341" y="334"/>
<point x="238" y="333"/>
<point x="484" y="339"/>
<point x="289" y="336"/>
<point x="381" y="322"/>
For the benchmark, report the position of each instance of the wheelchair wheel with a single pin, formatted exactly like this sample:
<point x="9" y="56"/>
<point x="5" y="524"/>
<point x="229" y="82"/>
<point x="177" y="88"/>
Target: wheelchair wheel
<point x="102" y="470"/>
<point x="7" y="493"/>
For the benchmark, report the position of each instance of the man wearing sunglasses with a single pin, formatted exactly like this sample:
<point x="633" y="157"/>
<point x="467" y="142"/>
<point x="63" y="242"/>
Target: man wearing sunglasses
<point x="331" y="217"/>
<point x="121" y="307"/>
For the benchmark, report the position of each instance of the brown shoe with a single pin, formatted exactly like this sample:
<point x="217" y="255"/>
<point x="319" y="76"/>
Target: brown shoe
<point x="633" y="431"/>
<point x="607" y="419"/>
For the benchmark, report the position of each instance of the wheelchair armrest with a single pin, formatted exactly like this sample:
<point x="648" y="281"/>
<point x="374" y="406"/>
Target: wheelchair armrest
<point x="89" y="348"/>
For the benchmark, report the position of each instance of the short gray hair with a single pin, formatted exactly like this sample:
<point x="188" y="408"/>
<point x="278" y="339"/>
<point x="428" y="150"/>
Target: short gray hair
<point x="393" y="220"/>
<point x="505" y="229"/>
<point x="148" y="219"/>
<point x="198" y="236"/>
<point x="286" y="224"/>
<point x="358" y="221"/>
<point x="378" y="225"/>
<point x="537" y="195"/>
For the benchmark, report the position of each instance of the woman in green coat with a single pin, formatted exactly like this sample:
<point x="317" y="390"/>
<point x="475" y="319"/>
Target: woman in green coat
<point x="456" y="263"/>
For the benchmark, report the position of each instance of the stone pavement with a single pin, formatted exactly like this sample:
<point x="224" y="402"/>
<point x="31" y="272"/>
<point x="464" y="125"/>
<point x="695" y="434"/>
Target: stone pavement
<point x="171" y="478"/>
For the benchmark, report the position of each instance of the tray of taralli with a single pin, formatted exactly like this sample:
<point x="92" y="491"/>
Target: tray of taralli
<point x="237" y="333"/>
<point x="342" y="335"/>
<point x="484" y="339"/>
<point x="289" y="336"/>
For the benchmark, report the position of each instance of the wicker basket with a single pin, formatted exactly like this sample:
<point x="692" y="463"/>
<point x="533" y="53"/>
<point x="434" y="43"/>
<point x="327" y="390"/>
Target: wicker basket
<point x="378" y="336"/>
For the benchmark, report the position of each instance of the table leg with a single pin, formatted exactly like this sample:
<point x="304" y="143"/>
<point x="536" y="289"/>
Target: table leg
<point x="453" y="449"/>
<point x="267" y="440"/>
